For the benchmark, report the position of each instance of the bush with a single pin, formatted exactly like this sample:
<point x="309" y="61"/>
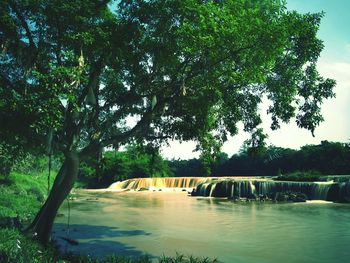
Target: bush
<point x="309" y="176"/>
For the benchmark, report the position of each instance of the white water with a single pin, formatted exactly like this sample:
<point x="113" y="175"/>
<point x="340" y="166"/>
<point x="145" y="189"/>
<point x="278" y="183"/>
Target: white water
<point x="165" y="183"/>
<point x="233" y="187"/>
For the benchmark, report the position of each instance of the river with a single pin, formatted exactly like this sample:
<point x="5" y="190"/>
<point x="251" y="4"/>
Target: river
<point x="157" y="223"/>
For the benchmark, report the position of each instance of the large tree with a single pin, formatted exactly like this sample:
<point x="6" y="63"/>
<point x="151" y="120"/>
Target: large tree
<point x="84" y="74"/>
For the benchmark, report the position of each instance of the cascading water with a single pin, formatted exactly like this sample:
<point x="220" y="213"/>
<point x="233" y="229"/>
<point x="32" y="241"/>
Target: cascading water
<point x="233" y="188"/>
<point x="240" y="187"/>
<point x="160" y="183"/>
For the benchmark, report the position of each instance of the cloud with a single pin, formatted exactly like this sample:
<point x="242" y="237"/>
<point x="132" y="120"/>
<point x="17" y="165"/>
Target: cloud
<point x="336" y="112"/>
<point x="340" y="71"/>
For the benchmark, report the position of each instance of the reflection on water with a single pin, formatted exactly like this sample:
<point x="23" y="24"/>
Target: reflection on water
<point x="136" y="223"/>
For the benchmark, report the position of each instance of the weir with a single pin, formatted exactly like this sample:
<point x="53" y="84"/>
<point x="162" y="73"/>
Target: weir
<point x="233" y="189"/>
<point x="240" y="187"/>
<point x="162" y="182"/>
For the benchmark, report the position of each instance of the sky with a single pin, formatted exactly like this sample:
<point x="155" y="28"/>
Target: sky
<point x="334" y="63"/>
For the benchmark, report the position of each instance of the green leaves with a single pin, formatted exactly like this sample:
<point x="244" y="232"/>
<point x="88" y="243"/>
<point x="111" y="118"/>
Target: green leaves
<point x="207" y="63"/>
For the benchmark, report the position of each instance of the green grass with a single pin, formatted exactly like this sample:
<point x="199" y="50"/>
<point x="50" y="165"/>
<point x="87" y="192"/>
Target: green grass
<point x="115" y="259"/>
<point x="22" y="195"/>
<point x="15" y="247"/>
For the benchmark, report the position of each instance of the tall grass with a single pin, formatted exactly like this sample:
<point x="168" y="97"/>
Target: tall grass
<point x="21" y="195"/>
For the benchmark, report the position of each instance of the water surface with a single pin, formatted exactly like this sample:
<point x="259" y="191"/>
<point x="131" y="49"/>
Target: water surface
<point x="156" y="223"/>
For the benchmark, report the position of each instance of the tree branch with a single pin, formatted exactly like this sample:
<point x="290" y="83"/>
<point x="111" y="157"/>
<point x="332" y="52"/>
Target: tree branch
<point x="93" y="77"/>
<point x="24" y="24"/>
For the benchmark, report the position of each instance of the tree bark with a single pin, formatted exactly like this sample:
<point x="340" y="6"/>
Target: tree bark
<point x="42" y="224"/>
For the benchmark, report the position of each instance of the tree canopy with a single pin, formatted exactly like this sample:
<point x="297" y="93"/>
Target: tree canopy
<point x="182" y="69"/>
<point x="136" y="161"/>
<point x="80" y="75"/>
<point x="327" y="158"/>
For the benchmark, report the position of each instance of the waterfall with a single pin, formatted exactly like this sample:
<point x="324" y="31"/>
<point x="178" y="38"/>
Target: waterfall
<point x="255" y="188"/>
<point x="240" y="187"/>
<point x="160" y="183"/>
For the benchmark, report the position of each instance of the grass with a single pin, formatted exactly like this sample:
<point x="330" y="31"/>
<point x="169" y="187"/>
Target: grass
<point x="179" y="258"/>
<point x="15" y="247"/>
<point x="21" y="196"/>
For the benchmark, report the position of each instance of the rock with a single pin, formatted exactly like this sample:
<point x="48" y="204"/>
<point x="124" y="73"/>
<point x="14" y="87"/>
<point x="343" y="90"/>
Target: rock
<point x="193" y="192"/>
<point x="220" y="190"/>
<point x="263" y="198"/>
<point x="280" y="197"/>
<point x="290" y="197"/>
<point x="299" y="197"/>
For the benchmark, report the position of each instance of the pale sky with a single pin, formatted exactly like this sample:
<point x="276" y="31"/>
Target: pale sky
<point x="334" y="63"/>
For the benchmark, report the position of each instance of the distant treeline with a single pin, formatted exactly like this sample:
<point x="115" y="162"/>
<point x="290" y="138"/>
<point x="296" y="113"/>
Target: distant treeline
<point x="133" y="162"/>
<point x="329" y="158"/>
<point x="105" y="168"/>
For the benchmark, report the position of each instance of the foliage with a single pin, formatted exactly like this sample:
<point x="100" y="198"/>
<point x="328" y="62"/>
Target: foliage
<point x="195" y="167"/>
<point x="135" y="162"/>
<point x="179" y="258"/>
<point x="37" y="164"/>
<point x="22" y="195"/>
<point x="309" y="176"/>
<point x="158" y="61"/>
<point x="328" y="158"/>
<point x="8" y="156"/>
<point x="15" y="247"/>
<point x="80" y="75"/>
<point x="255" y="145"/>
<point x="191" y="167"/>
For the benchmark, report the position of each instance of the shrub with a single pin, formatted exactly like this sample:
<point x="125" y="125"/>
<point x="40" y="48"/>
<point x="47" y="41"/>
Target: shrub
<point x="309" y="176"/>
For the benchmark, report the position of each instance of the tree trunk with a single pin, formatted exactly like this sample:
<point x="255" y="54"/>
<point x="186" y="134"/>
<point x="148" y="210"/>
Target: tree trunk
<point x="42" y="224"/>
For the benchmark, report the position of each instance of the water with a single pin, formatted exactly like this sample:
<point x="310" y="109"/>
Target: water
<point x="156" y="223"/>
<point x="155" y="183"/>
<point x="237" y="187"/>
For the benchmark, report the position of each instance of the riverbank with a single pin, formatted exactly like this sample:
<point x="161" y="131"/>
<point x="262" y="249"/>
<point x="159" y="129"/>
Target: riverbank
<point x="21" y="196"/>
